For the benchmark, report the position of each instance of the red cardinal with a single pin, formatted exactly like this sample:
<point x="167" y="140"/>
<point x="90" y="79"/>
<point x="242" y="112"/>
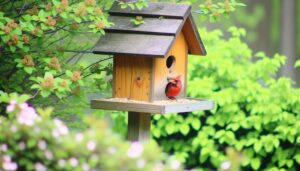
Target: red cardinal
<point x="173" y="88"/>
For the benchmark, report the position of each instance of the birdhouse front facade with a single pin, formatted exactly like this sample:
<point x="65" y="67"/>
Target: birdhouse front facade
<point x="150" y="59"/>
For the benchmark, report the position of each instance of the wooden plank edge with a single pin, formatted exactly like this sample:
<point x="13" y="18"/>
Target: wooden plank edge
<point x="153" y="108"/>
<point x="197" y="34"/>
<point x="197" y="106"/>
<point x="134" y="14"/>
<point x="110" y="30"/>
<point x="121" y="106"/>
<point x="95" y="51"/>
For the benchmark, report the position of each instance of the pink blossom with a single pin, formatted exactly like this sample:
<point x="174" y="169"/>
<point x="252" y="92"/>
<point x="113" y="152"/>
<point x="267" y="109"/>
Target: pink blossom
<point x="11" y="166"/>
<point x="91" y="145"/>
<point x="40" y="167"/>
<point x="61" y="128"/>
<point x="175" y="164"/>
<point x="42" y="145"/>
<point x="22" y="145"/>
<point x="27" y="115"/>
<point x="3" y="147"/>
<point x="11" y="107"/>
<point x="78" y="137"/>
<point x="55" y="133"/>
<point x="86" y="167"/>
<point x="73" y="161"/>
<point x="48" y="154"/>
<point x="6" y="158"/>
<point x="135" y="150"/>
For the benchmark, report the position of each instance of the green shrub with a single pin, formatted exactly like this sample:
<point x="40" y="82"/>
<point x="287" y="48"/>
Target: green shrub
<point x="254" y="112"/>
<point x="31" y="140"/>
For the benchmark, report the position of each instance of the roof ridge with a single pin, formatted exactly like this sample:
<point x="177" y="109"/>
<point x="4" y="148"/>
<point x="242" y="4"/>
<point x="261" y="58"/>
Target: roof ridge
<point x="155" y="9"/>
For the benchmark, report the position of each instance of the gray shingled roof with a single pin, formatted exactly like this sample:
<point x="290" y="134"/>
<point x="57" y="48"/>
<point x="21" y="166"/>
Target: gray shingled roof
<point x="154" y="38"/>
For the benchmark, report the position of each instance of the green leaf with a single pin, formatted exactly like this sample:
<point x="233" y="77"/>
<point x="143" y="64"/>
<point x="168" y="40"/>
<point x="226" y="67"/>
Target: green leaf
<point x="257" y="146"/>
<point x="184" y="129"/>
<point x="255" y="163"/>
<point x="170" y="128"/>
<point x="297" y="158"/>
<point x="297" y="64"/>
<point x="45" y="93"/>
<point x="29" y="70"/>
<point x="196" y="124"/>
<point x="69" y="73"/>
<point x="35" y="86"/>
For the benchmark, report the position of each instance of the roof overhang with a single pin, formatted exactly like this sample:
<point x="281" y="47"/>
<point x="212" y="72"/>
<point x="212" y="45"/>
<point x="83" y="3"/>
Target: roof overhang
<point x="154" y="38"/>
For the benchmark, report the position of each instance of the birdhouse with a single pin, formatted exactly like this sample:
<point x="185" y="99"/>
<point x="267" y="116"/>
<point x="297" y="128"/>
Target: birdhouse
<point x="150" y="63"/>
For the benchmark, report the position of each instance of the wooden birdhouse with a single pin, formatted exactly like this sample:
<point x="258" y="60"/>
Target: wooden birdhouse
<point x="148" y="56"/>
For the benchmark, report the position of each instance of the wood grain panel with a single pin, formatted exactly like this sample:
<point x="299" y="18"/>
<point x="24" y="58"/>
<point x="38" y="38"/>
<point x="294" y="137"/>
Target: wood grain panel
<point x="153" y="26"/>
<point x="134" y="44"/>
<point x="132" y="77"/>
<point x="192" y="37"/>
<point x="122" y="77"/>
<point x="139" y="126"/>
<point x="161" y="72"/>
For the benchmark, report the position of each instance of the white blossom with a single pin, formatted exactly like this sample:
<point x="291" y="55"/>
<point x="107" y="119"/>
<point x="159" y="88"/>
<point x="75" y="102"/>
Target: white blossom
<point x="22" y="145"/>
<point x="94" y="157"/>
<point x="73" y="161"/>
<point x="140" y="163"/>
<point x="55" y="133"/>
<point x="48" y="154"/>
<point x="91" y="145"/>
<point x="37" y="129"/>
<point x="3" y="147"/>
<point x="61" y="129"/>
<point x="13" y="128"/>
<point x="42" y="144"/>
<point x="135" y="150"/>
<point x="62" y="162"/>
<point x="40" y="167"/>
<point x="175" y="164"/>
<point x="111" y="150"/>
<point x="158" y="167"/>
<point x="86" y="167"/>
<point x="225" y="165"/>
<point x="78" y="137"/>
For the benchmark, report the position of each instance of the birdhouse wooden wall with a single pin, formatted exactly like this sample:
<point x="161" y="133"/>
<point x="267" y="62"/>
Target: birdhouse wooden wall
<point x="145" y="79"/>
<point x="174" y="64"/>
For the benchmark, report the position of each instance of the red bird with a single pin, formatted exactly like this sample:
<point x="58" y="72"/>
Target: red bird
<point x="173" y="88"/>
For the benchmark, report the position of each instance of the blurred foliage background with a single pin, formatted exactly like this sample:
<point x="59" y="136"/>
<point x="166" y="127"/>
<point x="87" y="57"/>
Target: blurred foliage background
<point x="254" y="86"/>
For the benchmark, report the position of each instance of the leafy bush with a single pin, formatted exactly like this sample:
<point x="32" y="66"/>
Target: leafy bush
<point x="32" y="141"/>
<point x="42" y="43"/>
<point x="254" y="112"/>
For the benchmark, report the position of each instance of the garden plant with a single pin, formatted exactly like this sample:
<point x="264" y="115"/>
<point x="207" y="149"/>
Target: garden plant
<point x="41" y="50"/>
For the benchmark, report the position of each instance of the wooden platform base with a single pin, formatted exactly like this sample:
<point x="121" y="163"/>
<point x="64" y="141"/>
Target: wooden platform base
<point x="156" y="107"/>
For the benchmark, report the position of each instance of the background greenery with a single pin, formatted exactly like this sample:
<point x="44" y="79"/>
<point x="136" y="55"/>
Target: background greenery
<point x="45" y="51"/>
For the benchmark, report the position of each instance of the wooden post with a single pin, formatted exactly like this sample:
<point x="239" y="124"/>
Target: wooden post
<point x="139" y="126"/>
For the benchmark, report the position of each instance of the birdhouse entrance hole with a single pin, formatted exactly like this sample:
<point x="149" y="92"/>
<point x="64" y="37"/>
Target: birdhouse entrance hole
<point x="170" y="62"/>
